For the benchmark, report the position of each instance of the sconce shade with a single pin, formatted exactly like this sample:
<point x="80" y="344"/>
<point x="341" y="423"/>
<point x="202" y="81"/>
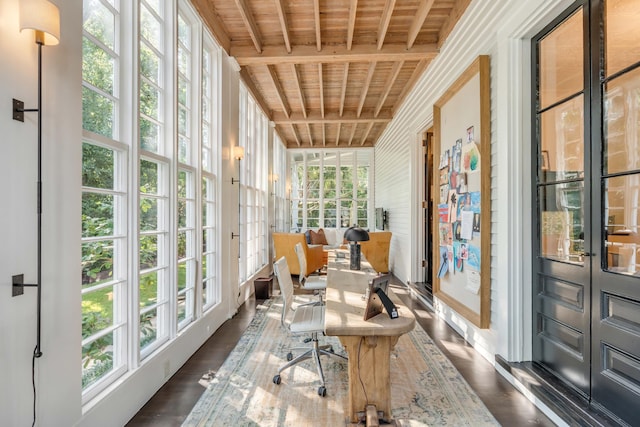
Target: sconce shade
<point x="41" y="16"/>
<point x="238" y="152"/>
<point x="275" y="177"/>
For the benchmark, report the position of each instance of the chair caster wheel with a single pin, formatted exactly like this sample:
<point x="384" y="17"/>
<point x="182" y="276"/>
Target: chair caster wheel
<point x="322" y="391"/>
<point x="331" y="350"/>
<point x="289" y="357"/>
<point x="306" y="340"/>
<point x="277" y="379"/>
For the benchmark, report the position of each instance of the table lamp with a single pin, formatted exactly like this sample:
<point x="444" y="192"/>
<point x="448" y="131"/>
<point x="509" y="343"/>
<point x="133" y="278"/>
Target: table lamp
<point x="354" y="235"/>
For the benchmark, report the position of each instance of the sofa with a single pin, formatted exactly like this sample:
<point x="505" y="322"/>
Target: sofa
<point x="376" y="250"/>
<point x="284" y="244"/>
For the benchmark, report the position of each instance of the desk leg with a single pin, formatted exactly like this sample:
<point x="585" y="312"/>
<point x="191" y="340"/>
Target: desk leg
<point x="369" y="367"/>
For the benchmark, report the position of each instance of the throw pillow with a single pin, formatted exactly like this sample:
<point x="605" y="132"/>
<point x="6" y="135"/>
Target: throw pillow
<point x="318" y="238"/>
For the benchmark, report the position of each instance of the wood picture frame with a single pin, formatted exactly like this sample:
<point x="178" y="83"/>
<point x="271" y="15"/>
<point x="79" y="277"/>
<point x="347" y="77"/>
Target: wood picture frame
<point x="464" y="111"/>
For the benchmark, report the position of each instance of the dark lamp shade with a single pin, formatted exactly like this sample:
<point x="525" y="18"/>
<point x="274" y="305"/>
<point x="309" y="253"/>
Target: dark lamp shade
<point x="354" y="234"/>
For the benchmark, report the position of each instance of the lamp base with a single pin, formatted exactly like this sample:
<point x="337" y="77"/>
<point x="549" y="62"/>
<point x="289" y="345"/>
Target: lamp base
<point x="354" y="256"/>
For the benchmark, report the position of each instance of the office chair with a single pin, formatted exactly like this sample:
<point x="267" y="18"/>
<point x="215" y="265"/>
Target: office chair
<point x="317" y="284"/>
<point x="303" y="320"/>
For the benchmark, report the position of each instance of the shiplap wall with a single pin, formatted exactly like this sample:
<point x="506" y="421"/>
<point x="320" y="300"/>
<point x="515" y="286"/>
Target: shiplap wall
<point x="491" y="28"/>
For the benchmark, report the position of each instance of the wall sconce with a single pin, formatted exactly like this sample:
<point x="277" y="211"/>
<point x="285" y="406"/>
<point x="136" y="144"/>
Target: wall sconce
<point x="238" y="154"/>
<point x="43" y="17"/>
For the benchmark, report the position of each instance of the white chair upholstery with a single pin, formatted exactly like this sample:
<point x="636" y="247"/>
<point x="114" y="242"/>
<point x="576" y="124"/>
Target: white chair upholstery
<point x="305" y="319"/>
<point x="314" y="283"/>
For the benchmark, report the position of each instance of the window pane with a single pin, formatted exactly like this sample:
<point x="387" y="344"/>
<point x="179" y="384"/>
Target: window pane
<point x="621" y="213"/>
<point x="99" y="22"/>
<point x="622" y="34"/>
<point x="97" y="66"/>
<point x="346" y="182"/>
<point x="148" y="214"/>
<point x="97" y="262"/>
<point x="148" y="252"/>
<point x="148" y="328"/>
<point x="149" y="134"/>
<point x="148" y="177"/>
<point x="329" y="173"/>
<point x="561" y="67"/>
<point x="150" y="28"/>
<point x="148" y="289"/>
<point x="182" y="244"/>
<point x="149" y="100"/>
<point x="149" y="63"/>
<point x="562" y="221"/>
<point x="330" y="214"/>
<point x="622" y="123"/>
<point x="97" y="215"/>
<point x="97" y="166"/>
<point x="562" y="141"/>
<point x="97" y="311"/>
<point x="97" y="357"/>
<point x="98" y="113"/>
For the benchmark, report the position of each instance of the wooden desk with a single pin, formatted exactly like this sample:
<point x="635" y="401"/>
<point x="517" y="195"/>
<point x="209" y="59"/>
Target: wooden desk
<point x="368" y="343"/>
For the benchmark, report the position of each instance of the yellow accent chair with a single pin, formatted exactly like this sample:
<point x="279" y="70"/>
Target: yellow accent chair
<point x="284" y="245"/>
<point x="376" y="250"/>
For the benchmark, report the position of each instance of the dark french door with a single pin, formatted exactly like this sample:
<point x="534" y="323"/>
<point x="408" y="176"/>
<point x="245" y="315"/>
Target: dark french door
<point x="587" y="192"/>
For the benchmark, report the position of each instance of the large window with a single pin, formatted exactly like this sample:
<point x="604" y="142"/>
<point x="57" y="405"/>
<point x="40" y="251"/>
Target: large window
<point x="279" y="183"/>
<point x="330" y="188"/>
<point x="253" y="186"/>
<point x="149" y="182"/>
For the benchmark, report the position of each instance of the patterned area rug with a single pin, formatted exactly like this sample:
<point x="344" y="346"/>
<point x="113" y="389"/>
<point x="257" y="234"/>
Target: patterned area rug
<point x="426" y="388"/>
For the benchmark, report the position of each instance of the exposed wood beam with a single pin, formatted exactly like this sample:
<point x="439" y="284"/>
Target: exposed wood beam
<point x="366" y="133"/>
<point x="250" y="23"/>
<point x="338" y="134"/>
<point x="421" y="14"/>
<point x="365" y="88"/>
<point x="309" y="133"/>
<point x="206" y="11"/>
<point x="334" y="54"/>
<point x="282" y="15"/>
<point x="296" y="78"/>
<point x="316" y="15"/>
<point x="353" y="7"/>
<point x="321" y="84"/>
<point x="295" y="134"/>
<point x="384" y="21"/>
<point x="330" y="118"/>
<point x="279" y="91"/>
<point x="417" y="72"/>
<point x="257" y="95"/>
<point x="324" y="136"/>
<point x="397" y="66"/>
<point x="458" y="9"/>
<point x="344" y="87"/>
<point x="353" y="132"/>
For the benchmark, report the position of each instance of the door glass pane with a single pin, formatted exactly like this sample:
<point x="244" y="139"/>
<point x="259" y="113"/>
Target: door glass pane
<point x="562" y="141"/>
<point x="561" y="213"/>
<point x="621" y="216"/>
<point x="622" y="123"/>
<point x="622" y="34"/>
<point x="561" y="67"/>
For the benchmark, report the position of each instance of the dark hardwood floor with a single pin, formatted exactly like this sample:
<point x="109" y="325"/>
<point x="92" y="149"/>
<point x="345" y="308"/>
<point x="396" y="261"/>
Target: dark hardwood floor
<point x="173" y="402"/>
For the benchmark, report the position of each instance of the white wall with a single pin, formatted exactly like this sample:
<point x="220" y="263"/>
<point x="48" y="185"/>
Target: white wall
<point x="58" y="371"/>
<point x="501" y="29"/>
<point x="58" y="396"/>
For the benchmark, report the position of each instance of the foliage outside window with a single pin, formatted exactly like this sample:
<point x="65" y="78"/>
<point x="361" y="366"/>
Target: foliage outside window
<point x="330" y="188"/>
<point x="134" y="259"/>
<point x="253" y="186"/>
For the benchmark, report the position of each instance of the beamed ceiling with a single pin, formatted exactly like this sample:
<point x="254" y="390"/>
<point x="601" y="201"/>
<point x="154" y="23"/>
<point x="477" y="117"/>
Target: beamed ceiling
<point x="331" y="73"/>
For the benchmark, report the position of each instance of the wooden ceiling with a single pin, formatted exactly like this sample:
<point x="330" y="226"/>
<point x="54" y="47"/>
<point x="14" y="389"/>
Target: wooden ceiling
<point x="331" y="73"/>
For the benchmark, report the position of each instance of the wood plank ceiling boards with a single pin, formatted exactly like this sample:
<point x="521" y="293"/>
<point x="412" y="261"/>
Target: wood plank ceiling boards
<point x="331" y="73"/>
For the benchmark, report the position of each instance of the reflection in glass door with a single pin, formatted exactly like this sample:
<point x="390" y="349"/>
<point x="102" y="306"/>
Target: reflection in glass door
<point x="587" y="179"/>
